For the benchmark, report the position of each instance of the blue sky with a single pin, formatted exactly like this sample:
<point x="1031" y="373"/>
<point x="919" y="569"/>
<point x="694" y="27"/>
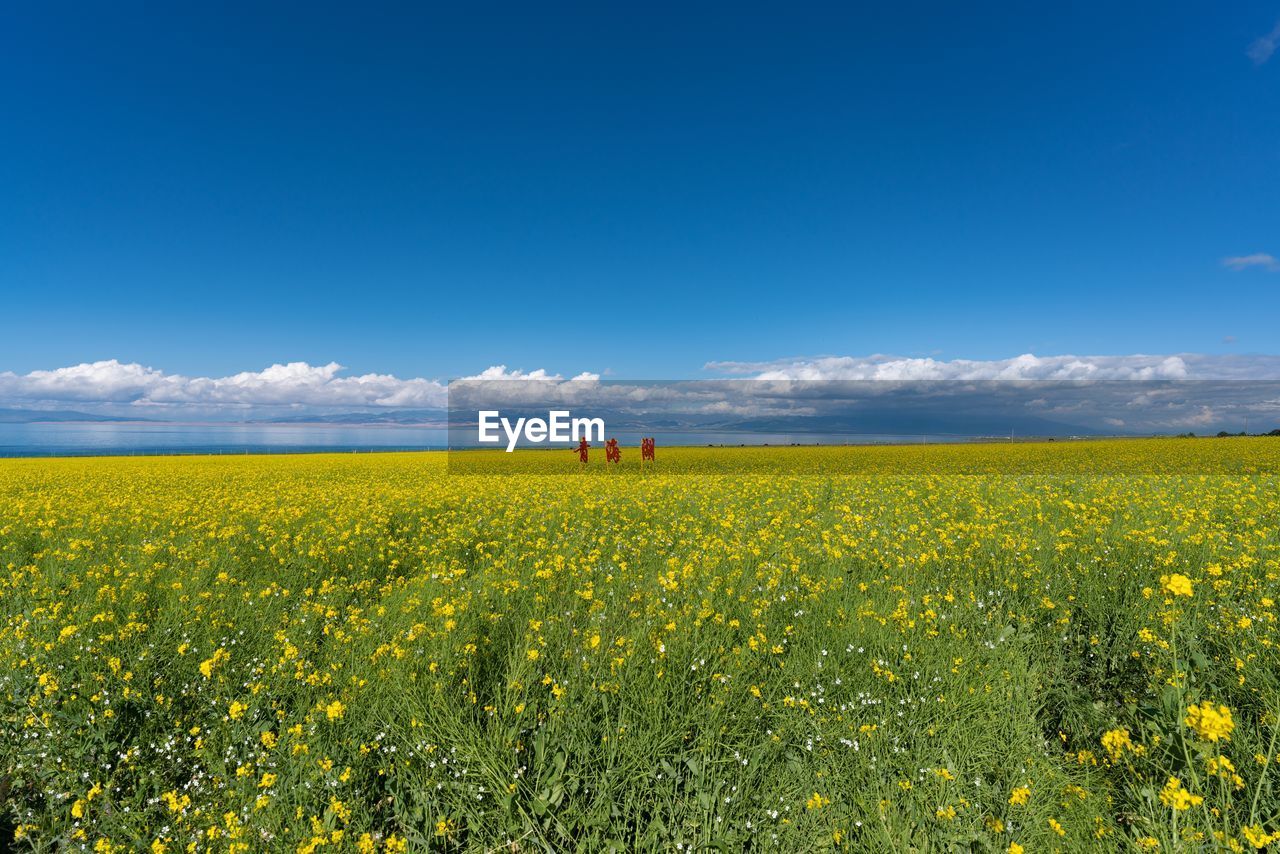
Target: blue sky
<point x="636" y="191"/>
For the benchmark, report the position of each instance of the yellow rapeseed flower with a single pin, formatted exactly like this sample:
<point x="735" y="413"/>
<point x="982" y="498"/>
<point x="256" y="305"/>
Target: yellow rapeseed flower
<point x="1176" y="584"/>
<point x="1116" y="741"/>
<point x="1210" y="722"/>
<point x="1173" y="795"/>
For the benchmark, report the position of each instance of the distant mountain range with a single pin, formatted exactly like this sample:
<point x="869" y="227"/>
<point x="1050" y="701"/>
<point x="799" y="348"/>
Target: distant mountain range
<point x="38" y="416"/>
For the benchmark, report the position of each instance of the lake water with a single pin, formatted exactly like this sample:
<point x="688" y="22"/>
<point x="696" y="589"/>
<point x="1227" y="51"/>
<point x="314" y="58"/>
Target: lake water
<point x="110" y="438"/>
<point x="119" y="438"/>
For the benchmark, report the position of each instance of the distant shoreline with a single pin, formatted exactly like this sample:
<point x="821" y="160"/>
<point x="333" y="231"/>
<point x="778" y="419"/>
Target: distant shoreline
<point x="304" y="450"/>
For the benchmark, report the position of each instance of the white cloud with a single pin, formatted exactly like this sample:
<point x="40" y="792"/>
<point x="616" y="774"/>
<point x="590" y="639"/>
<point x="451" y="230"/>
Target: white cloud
<point x="296" y="384"/>
<point x="114" y="387"/>
<point x="1182" y="366"/>
<point x="1024" y="367"/>
<point x="108" y="381"/>
<point x="1260" y="51"/>
<point x="500" y="372"/>
<point x="1258" y="259"/>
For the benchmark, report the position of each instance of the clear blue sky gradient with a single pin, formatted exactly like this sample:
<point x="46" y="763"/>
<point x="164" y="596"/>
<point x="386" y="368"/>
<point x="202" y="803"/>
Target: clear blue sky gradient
<point x="639" y="189"/>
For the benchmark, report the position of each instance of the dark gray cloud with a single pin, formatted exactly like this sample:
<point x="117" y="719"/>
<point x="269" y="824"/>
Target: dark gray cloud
<point x="961" y="407"/>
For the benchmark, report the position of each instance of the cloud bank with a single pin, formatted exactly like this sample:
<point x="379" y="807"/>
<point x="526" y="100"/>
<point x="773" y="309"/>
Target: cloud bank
<point x="112" y="387"/>
<point x="1185" y="366"/>
<point x="112" y="384"/>
<point x="799" y="386"/>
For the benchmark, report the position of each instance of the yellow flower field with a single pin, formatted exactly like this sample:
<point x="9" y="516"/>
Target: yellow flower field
<point x="850" y="648"/>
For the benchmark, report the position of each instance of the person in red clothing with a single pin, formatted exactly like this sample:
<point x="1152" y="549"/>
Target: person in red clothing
<point x="612" y="453"/>
<point x="646" y="449"/>
<point x="582" y="450"/>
